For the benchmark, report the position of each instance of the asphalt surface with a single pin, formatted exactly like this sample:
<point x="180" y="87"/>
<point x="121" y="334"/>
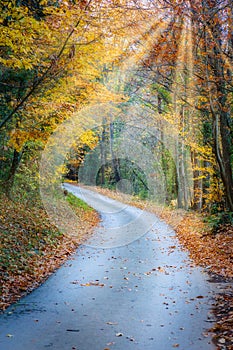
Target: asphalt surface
<point x="129" y="287"/>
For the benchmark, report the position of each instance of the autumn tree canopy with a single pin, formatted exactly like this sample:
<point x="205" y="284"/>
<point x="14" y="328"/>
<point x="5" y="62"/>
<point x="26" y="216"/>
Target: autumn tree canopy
<point x="165" y="66"/>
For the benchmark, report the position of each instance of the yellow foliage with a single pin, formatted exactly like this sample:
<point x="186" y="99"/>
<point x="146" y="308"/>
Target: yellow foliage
<point x="60" y="170"/>
<point x="89" y="139"/>
<point x="20" y="39"/>
<point x="80" y="52"/>
<point x="18" y="139"/>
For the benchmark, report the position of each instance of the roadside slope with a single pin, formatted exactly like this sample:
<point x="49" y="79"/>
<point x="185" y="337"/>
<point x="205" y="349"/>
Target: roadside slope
<point x="32" y="248"/>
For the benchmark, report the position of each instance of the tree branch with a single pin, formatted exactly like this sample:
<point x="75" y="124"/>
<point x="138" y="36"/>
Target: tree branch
<point x="45" y="74"/>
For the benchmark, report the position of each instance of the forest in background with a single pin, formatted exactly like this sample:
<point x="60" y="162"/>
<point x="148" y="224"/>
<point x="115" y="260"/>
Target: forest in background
<point x="161" y="72"/>
<point x="135" y="96"/>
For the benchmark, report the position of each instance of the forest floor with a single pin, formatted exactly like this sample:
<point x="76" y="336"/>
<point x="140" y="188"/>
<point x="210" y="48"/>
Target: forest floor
<point x="31" y="249"/>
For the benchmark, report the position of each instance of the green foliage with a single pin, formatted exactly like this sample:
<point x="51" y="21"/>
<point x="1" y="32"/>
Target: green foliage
<point x="76" y="202"/>
<point x="218" y="219"/>
<point x="132" y="179"/>
<point x="170" y="176"/>
<point x="25" y="187"/>
<point x="6" y="155"/>
<point x="164" y="94"/>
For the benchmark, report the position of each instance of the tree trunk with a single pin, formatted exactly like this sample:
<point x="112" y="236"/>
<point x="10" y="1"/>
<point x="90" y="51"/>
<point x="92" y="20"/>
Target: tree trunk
<point x="223" y="156"/>
<point x="115" y="165"/>
<point x="222" y="127"/>
<point x="197" y="183"/>
<point x="219" y="104"/>
<point x="103" y="152"/>
<point x="17" y="156"/>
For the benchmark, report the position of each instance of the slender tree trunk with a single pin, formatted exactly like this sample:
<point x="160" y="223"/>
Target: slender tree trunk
<point x="197" y="183"/>
<point x="164" y="163"/>
<point x="226" y="150"/>
<point x="182" y="176"/>
<point x="17" y="156"/>
<point x="103" y="152"/>
<point x="179" y="179"/>
<point x="114" y="160"/>
<point x="223" y="156"/>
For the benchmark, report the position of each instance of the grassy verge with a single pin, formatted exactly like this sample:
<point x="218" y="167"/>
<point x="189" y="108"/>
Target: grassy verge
<point x="77" y="203"/>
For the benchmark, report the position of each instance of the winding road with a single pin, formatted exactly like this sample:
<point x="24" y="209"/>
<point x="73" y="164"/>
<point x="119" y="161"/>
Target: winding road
<point x="131" y="286"/>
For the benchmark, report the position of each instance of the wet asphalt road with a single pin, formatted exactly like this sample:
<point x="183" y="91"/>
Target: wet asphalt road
<point x="136" y="290"/>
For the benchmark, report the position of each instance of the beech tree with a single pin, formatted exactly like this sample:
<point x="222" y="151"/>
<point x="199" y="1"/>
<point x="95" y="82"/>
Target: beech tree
<point x="192" y="59"/>
<point x="217" y="67"/>
<point x="166" y="64"/>
<point x="52" y="61"/>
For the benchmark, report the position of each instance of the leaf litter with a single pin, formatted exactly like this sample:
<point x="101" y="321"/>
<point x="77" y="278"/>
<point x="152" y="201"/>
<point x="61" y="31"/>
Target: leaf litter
<point x="32" y="248"/>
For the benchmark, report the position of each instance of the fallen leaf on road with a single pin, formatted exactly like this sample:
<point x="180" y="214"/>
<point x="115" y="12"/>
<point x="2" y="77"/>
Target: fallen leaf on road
<point x="92" y="283"/>
<point x="112" y="323"/>
<point x="96" y="283"/>
<point x="160" y="269"/>
<point x="130" y="338"/>
<point x="222" y="341"/>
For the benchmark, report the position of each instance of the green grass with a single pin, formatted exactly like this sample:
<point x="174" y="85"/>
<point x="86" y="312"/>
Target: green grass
<point x="77" y="203"/>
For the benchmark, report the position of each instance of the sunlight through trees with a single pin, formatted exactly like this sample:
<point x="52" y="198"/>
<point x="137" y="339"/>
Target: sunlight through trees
<point x="165" y="66"/>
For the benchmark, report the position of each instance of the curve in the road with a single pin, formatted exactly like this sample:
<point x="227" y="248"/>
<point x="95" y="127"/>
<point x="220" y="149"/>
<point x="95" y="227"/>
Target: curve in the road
<point x="141" y="295"/>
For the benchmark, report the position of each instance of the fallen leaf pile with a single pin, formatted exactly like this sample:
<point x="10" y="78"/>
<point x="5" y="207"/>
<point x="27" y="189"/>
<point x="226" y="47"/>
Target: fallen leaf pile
<point x="32" y="248"/>
<point x="223" y="328"/>
<point x="214" y="251"/>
